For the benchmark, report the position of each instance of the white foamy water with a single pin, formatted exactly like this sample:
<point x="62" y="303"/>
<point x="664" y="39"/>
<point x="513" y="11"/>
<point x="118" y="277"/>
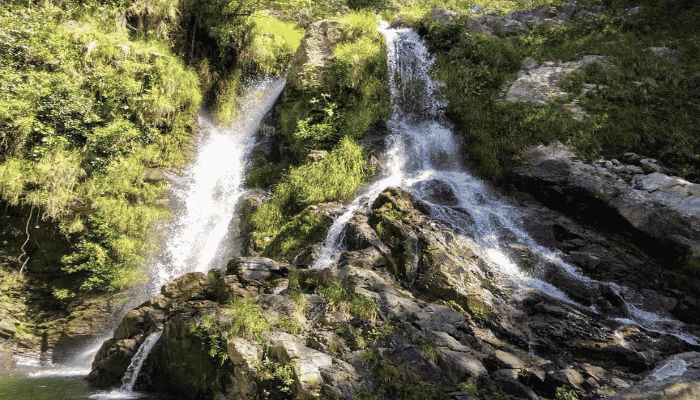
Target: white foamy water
<point x="206" y="194"/>
<point x="132" y="372"/>
<point x="203" y="201"/>
<point x="423" y="150"/>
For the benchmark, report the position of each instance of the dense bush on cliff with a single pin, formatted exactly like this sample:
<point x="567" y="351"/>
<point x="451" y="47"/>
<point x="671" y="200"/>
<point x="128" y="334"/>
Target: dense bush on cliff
<point x="97" y="99"/>
<point x="86" y="111"/>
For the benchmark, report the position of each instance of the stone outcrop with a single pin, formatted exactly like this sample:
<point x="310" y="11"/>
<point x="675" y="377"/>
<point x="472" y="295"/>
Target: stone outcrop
<point x="660" y="213"/>
<point x="311" y="62"/>
<point x="525" y="20"/>
<point x="412" y="308"/>
<point x="539" y="84"/>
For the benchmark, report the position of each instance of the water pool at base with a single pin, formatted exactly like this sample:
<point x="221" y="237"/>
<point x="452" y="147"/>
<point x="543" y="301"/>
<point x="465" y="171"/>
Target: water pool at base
<point x="43" y="385"/>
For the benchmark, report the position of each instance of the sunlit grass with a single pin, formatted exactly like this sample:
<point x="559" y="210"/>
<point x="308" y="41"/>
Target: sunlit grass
<point x="274" y="43"/>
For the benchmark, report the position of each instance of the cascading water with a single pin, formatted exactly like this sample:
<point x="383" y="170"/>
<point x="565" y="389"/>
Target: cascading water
<point x="206" y="194"/>
<point x="132" y="372"/>
<point x="198" y="238"/>
<point x="423" y="154"/>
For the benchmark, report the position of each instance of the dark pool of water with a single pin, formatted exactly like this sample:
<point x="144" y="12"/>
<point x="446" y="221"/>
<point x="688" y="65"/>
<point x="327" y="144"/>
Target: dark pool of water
<point x="57" y="385"/>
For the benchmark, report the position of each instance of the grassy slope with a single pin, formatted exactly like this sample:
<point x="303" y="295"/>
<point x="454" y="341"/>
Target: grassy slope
<point x="645" y="104"/>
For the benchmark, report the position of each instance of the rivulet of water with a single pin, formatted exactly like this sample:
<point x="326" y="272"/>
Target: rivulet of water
<point x="423" y="150"/>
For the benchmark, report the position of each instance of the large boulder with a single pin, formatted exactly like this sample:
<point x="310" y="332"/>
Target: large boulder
<point x="311" y="62"/>
<point x="659" y="212"/>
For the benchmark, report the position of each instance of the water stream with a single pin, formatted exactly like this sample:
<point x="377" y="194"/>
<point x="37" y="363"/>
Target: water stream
<point x="423" y="152"/>
<point x="204" y="197"/>
<point x="199" y="236"/>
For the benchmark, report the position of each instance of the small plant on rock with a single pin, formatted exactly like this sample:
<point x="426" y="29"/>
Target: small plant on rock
<point x="565" y="393"/>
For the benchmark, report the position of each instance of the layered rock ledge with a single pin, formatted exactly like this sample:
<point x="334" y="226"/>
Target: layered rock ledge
<point x="660" y="213"/>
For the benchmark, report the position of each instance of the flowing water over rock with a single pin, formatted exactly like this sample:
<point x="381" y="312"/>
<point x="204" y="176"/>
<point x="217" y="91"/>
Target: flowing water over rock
<point x="444" y="284"/>
<point x="423" y="158"/>
<point x="204" y="197"/>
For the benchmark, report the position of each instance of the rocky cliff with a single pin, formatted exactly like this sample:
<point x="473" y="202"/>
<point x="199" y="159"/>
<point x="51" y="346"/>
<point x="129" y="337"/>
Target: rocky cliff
<point x="411" y="310"/>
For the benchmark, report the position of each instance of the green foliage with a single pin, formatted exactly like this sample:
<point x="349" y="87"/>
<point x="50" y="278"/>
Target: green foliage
<point x="428" y="347"/>
<point x="248" y="319"/>
<point x="367" y="4"/>
<point x="273" y="45"/>
<point x="213" y="336"/>
<point x="565" y="393"/>
<point x="267" y="174"/>
<point x="288" y="326"/>
<point x="415" y="11"/>
<point x="245" y="319"/>
<point x="345" y="300"/>
<point x="281" y="226"/>
<point x="472" y="390"/>
<point x="318" y="131"/>
<point x="528" y="261"/>
<point x="85" y="111"/>
<point x="277" y="375"/>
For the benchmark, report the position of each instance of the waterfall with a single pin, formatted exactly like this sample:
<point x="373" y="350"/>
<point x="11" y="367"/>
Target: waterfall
<point x="132" y="372"/>
<point x="423" y="151"/>
<point x="204" y="197"/>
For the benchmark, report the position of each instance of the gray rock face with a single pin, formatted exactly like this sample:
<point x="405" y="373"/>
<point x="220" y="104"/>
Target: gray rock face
<point x="311" y="62"/>
<point x="662" y="212"/>
<point x="540" y="84"/>
<point x="411" y="308"/>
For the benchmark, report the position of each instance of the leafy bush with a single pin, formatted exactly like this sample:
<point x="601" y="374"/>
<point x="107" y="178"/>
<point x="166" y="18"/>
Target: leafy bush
<point x="280" y="225"/>
<point x="273" y="45"/>
<point x="245" y="320"/>
<point x="86" y="111"/>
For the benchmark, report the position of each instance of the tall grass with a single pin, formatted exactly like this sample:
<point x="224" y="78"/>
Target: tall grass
<point x="328" y="118"/>
<point x="331" y="178"/>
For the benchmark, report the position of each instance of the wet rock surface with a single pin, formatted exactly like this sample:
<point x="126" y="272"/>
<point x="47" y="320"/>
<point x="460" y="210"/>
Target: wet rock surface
<point x="412" y="308"/>
<point x="677" y="377"/>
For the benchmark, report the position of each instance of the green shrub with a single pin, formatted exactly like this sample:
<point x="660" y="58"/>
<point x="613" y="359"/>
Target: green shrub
<point x="248" y="319"/>
<point x="273" y="45"/>
<point x="345" y="300"/>
<point x="245" y="319"/>
<point x="280" y="225"/>
<point x="85" y="111"/>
